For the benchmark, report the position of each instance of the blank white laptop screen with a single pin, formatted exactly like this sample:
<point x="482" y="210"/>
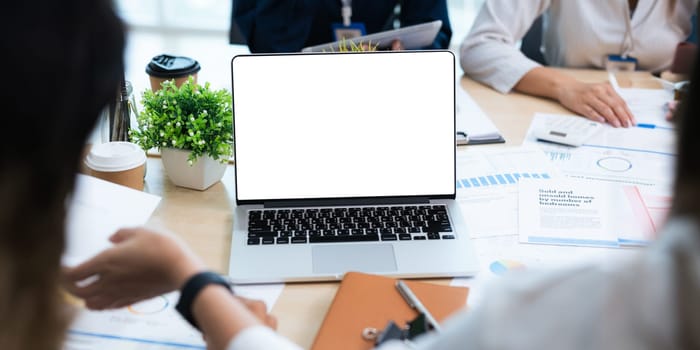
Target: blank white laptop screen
<point x="344" y="125"/>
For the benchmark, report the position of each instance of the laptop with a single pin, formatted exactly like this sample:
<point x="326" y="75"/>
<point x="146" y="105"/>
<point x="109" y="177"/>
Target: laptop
<point x="346" y="162"/>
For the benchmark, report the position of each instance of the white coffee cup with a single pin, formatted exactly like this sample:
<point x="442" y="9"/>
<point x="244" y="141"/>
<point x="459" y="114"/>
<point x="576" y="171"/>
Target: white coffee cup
<point x="123" y="163"/>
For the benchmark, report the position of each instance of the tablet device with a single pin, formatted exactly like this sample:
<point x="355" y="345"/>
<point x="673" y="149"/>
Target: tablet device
<point x="412" y="37"/>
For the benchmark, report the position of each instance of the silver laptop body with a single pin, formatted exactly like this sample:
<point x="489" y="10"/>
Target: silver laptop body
<point x="346" y="162"/>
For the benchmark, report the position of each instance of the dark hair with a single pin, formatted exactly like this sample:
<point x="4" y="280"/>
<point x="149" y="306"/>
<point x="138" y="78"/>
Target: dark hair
<point x="686" y="199"/>
<point x="60" y="62"/>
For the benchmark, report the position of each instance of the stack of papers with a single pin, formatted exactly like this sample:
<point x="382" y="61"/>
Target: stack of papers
<point x="623" y="186"/>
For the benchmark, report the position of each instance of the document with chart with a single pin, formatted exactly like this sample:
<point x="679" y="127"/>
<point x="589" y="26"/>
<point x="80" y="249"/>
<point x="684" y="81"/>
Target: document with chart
<point x="487" y="189"/>
<point x="642" y="156"/>
<point x="585" y="213"/>
<point x="152" y="324"/>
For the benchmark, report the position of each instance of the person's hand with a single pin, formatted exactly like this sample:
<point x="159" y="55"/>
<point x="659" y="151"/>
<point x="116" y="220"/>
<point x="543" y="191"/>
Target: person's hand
<point x="671" y="110"/>
<point x="142" y="264"/>
<point x="259" y="309"/>
<point x="597" y="102"/>
<point x="396" y="45"/>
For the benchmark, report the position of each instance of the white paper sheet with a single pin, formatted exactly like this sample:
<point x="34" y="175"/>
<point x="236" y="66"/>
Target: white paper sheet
<point x="487" y="186"/>
<point x="98" y="209"/>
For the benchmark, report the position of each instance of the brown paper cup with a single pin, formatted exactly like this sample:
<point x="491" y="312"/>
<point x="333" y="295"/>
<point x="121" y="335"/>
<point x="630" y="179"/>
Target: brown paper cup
<point x="123" y="163"/>
<point x="156" y="81"/>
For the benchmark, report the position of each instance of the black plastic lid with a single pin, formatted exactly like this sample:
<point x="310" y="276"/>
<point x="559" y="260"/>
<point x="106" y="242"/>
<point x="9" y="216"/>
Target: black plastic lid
<point x="167" y="66"/>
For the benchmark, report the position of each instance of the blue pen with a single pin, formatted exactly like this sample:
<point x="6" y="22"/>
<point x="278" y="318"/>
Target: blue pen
<point x="653" y="126"/>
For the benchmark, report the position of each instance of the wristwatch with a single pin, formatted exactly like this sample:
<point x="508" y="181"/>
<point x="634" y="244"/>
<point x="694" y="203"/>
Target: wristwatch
<point x="191" y="289"/>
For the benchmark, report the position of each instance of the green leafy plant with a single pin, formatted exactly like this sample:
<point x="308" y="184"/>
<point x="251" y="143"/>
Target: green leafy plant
<point x="191" y="117"/>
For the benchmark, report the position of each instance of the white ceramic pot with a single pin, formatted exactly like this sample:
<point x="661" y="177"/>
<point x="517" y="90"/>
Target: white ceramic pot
<point x="201" y="175"/>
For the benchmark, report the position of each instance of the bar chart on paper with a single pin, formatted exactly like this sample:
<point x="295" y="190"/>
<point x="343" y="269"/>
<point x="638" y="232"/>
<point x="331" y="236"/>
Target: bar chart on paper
<point x="498" y="179"/>
<point x="487" y="188"/>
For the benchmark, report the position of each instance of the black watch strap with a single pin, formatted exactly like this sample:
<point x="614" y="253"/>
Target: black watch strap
<point x="192" y="288"/>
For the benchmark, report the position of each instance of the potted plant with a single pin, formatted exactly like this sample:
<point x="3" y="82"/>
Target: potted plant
<point x="192" y="127"/>
<point x="351" y="46"/>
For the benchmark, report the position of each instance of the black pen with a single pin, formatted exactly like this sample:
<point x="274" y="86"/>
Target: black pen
<point x="415" y="303"/>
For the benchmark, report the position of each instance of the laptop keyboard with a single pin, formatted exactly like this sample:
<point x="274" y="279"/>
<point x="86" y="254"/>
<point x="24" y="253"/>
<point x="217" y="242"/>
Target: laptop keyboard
<point x="348" y="224"/>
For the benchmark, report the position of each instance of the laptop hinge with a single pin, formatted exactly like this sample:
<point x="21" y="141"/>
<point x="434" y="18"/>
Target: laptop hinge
<point x="346" y="202"/>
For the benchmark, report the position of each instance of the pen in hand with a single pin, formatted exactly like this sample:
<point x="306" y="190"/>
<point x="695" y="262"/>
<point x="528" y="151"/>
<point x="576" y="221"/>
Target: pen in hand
<point x="613" y="82"/>
<point x="618" y="91"/>
<point x="415" y="303"/>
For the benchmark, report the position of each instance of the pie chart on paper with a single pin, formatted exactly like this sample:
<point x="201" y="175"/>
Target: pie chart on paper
<point x="503" y="266"/>
<point x="149" y="307"/>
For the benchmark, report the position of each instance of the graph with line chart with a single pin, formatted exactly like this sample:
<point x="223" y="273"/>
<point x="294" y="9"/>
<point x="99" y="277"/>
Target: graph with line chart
<point x="151" y="324"/>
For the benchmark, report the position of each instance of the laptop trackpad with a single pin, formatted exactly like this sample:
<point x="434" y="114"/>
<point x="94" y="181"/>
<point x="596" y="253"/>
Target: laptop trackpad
<point x="338" y="259"/>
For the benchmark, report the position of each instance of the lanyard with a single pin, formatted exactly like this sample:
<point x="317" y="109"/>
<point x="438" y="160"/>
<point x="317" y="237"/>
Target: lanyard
<point x="346" y="12"/>
<point x="628" y="41"/>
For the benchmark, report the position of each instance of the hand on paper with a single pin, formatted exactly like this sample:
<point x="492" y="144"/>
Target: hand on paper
<point x="142" y="264"/>
<point x="596" y="101"/>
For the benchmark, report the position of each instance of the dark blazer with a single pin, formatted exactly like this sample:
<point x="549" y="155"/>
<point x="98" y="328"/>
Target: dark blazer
<point x="290" y="25"/>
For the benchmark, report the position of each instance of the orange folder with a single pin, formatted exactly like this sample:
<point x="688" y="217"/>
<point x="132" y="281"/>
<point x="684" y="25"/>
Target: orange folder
<point x="365" y="300"/>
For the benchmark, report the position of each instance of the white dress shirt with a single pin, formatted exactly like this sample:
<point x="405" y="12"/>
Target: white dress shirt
<point x="650" y="302"/>
<point x="576" y="33"/>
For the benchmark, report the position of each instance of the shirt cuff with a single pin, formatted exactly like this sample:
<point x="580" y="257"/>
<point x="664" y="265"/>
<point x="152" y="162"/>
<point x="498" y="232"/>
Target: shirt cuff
<point x="260" y="337"/>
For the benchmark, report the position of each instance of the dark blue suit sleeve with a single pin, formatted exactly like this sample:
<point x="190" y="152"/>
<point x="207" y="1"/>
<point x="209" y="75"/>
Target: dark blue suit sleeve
<point x="274" y="25"/>
<point x="421" y="11"/>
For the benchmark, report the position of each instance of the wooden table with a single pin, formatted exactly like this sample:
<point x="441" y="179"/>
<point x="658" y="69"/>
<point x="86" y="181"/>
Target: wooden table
<point x="204" y="219"/>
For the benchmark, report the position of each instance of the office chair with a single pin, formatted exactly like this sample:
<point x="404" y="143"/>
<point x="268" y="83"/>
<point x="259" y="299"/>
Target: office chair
<point x="693" y="38"/>
<point x="531" y="45"/>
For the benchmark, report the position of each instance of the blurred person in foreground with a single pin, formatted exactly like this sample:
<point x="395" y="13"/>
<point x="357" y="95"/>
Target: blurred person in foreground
<point x="63" y="62"/>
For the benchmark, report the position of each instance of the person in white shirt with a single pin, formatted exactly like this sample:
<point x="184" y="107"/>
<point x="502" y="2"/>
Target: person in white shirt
<point x="576" y="34"/>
